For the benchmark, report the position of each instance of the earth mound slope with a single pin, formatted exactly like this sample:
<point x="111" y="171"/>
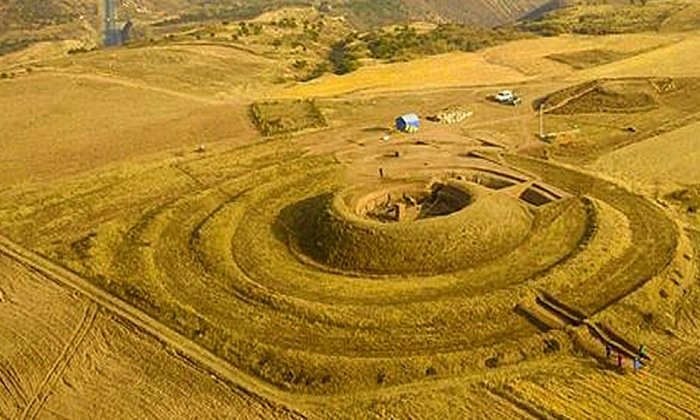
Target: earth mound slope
<point x="439" y="227"/>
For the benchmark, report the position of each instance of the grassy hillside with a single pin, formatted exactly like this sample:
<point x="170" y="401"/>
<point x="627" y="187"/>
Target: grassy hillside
<point x="544" y="16"/>
<point x="484" y="12"/>
<point x="26" y="14"/>
<point x="20" y="19"/>
<point x="616" y="16"/>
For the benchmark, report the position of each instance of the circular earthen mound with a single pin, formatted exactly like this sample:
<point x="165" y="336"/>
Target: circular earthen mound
<point x="422" y="227"/>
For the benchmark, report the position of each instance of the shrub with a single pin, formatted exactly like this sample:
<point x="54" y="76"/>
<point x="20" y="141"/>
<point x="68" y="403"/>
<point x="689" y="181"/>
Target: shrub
<point x="405" y="42"/>
<point x="342" y="61"/>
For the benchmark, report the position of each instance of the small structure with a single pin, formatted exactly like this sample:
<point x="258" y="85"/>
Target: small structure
<point x="408" y="123"/>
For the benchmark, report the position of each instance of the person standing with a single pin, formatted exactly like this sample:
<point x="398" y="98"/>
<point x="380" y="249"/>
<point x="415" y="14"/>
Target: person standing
<point x="619" y="360"/>
<point x="643" y="352"/>
<point x="608" y="350"/>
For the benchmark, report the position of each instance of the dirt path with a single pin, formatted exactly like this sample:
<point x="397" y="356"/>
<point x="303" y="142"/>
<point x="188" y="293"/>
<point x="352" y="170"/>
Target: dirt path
<point x="115" y="80"/>
<point x="31" y="410"/>
<point x="191" y="352"/>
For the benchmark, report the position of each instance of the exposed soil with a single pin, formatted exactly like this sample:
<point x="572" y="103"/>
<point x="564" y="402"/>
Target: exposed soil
<point x="588" y="58"/>
<point x="437" y="200"/>
<point x="604" y="96"/>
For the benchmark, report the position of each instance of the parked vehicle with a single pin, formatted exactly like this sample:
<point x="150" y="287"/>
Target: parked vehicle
<point x="507" y="97"/>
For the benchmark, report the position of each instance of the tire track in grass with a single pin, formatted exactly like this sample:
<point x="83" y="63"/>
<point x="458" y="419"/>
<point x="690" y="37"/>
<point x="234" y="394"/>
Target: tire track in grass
<point x="183" y="348"/>
<point x="10" y="382"/>
<point x="31" y="410"/>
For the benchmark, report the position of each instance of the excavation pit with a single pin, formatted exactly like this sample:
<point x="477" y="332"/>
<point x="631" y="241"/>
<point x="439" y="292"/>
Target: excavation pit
<point x="538" y="196"/>
<point x="494" y="182"/>
<point x="412" y="204"/>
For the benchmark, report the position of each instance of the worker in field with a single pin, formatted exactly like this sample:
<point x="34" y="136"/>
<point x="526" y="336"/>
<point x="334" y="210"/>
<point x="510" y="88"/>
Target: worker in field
<point x="637" y="364"/>
<point x="608" y="350"/>
<point x="643" y="352"/>
<point x="619" y="360"/>
<point x="381" y="173"/>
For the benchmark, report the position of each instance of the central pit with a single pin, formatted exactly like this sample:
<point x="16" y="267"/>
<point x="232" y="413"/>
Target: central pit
<point x="408" y="203"/>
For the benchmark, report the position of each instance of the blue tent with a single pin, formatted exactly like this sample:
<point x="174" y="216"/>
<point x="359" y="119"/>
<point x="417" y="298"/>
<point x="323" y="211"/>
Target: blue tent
<point x="408" y="123"/>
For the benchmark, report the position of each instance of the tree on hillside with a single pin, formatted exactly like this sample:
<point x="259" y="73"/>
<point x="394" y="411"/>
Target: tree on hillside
<point x="341" y="59"/>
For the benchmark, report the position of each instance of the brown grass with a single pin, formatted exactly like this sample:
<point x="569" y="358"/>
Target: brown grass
<point x="415" y="318"/>
<point x="621" y="96"/>
<point x="431" y="72"/>
<point x="641" y="164"/>
<point x="588" y="58"/>
<point x="38" y="319"/>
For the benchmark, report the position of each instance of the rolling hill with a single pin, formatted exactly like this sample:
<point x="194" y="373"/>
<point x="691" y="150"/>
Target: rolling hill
<point x="32" y="14"/>
<point x="483" y="12"/>
<point x="24" y="22"/>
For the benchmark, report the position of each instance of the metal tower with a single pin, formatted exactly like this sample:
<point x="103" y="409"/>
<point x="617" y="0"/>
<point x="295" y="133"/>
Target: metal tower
<point x="111" y="35"/>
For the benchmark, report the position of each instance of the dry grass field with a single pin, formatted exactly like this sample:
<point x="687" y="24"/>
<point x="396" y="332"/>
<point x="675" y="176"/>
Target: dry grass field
<point x="454" y="69"/>
<point x="662" y="62"/>
<point x="39" y="321"/>
<point x="167" y="386"/>
<point x="191" y="267"/>
<point x="94" y="111"/>
<point x="66" y="357"/>
<point x="511" y="63"/>
<point x="640" y="164"/>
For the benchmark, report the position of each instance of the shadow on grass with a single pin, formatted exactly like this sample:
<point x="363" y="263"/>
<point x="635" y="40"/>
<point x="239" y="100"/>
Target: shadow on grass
<point x="299" y="224"/>
<point x="532" y="319"/>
